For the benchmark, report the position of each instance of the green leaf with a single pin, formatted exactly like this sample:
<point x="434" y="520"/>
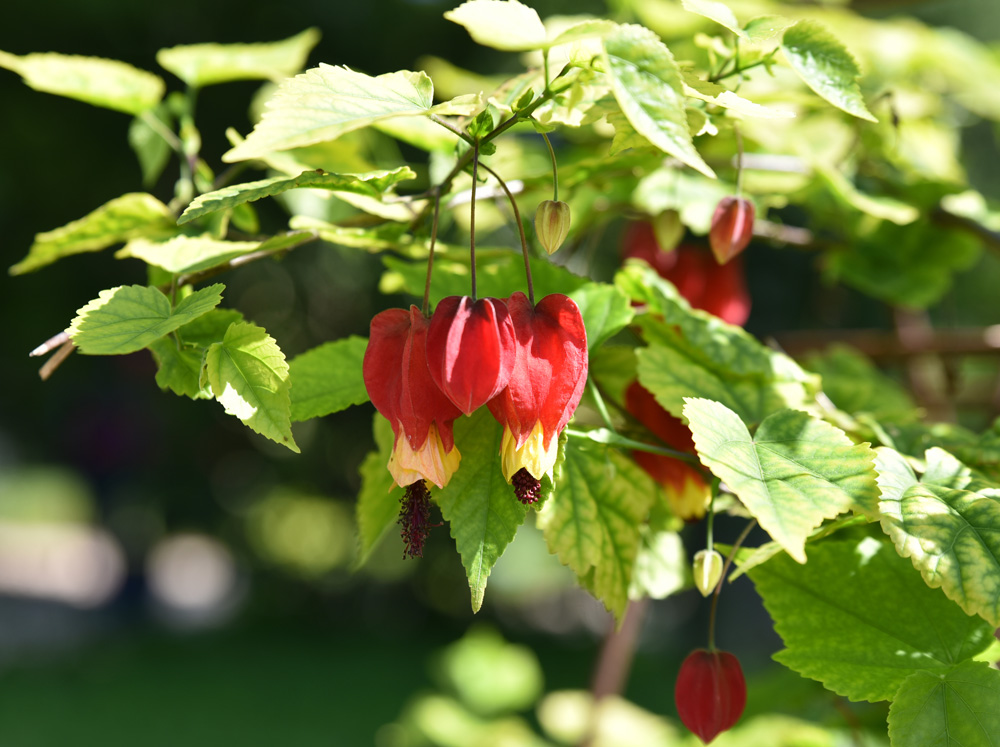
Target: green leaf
<point x="186" y="254"/>
<point x="859" y="619"/>
<point x="149" y="145"/>
<point x="249" y="376"/>
<point x="372" y="184"/>
<point x="956" y="707"/>
<point x="201" y="65"/>
<point x="592" y="520"/>
<point x="792" y="474"/>
<point x="826" y="66"/>
<point x="478" y="504"/>
<point x="328" y="378"/>
<point x="855" y="385"/>
<point x="127" y="217"/>
<point x="500" y="24"/>
<point x="953" y="538"/>
<point x="718" y="12"/>
<point x="107" y="83"/>
<point x="661" y="567"/>
<point x="647" y="84"/>
<point x="879" y="206"/>
<point x="128" y="318"/>
<point x="605" y="311"/>
<point x="325" y="102"/>
<point x="378" y="501"/>
<point x="765" y="28"/>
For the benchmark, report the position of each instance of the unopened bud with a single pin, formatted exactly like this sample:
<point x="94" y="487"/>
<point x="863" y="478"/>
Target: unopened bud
<point x="552" y="224"/>
<point x="707" y="570"/>
<point x="732" y="228"/>
<point x="668" y="229"/>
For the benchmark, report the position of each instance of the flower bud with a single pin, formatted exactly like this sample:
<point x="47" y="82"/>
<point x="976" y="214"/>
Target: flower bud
<point x="707" y="570"/>
<point x="710" y="693"/>
<point x="552" y="224"/>
<point x="732" y="228"/>
<point x="668" y="229"/>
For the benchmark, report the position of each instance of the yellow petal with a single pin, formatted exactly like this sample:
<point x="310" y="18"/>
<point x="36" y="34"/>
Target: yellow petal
<point x="429" y="462"/>
<point x="532" y="456"/>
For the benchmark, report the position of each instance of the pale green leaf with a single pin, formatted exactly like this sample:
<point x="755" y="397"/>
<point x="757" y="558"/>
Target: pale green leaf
<point x="661" y="567"/>
<point x="372" y="184"/>
<point x="765" y="28"/>
<point x="130" y="216"/>
<point x="186" y="254"/>
<point x="201" y="65"/>
<point x="855" y="385"/>
<point x="592" y="519"/>
<point x="593" y="28"/>
<point x="128" y="318"/>
<point x="605" y="311"/>
<point x="145" y="137"/>
<point x="826" y="66"/>
<point x="180" y="361"/>
<point x="953" y="538"/>
<point x="879" y="206"/>
<point x="740" y="106"/>
<point x="859" y="619"/>
<point x="960" y="706"/>
<point x="107" y="83"/>
<point x="325" y="102"/>
<point x="647" y="84"/>
<point x="792" y="474"/>
<point x="249" y="376"/>
<point x="378" y="502"/>
<point x="721" y="13"/>
<point x="328" y="378"/>
<point x="373" y="239"/>
<point x="478" y="504"/>
<point x="500" y="24"/>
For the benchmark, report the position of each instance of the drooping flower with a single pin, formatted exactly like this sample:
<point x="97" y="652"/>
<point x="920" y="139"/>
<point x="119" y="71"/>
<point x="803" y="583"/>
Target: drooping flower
<point x="400" y="386"/>
<point x="686" y="490"/>
<point x="552" y="221"/>
<point x="470" y="350"/>
<point x="710" y="693"/>
<point x="732" y="228"/>
<point x="545" y="386"/>
<point x="707" y="285"/>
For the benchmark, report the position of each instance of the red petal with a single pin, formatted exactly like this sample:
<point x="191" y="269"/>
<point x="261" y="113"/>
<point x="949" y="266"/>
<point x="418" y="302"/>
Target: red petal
<point x="710" y="693"/>
<point x="470" y="350"/>
<point x="550" y="367"/>
<point x="732" y="228"/>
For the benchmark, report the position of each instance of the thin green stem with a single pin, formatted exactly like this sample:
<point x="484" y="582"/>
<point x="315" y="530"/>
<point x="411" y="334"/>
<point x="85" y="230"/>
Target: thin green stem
<point x="555" y="169"/>
<point x="710" y="523"/>
<point x="718" y="587"/>
<point x="472" y="218"/>
<point x="739" y="159"/>
<point x="162" y="130"/>
<point x="520" y="230"/>
<point x="609" y="437"/>
<point x="425" y="306"/>
<point x="452" y="128"/>
<point x="602" y="408"/>
<point x="722" y="74"/>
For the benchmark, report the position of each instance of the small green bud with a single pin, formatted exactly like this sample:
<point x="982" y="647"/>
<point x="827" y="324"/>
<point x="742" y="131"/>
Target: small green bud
<point x="552" y="224"/>
<point x="707" y="570"/>
<point x="668" y="229"/>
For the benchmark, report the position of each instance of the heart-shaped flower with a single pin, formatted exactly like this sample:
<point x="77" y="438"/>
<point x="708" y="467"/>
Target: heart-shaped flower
<point x="710" y="693"/>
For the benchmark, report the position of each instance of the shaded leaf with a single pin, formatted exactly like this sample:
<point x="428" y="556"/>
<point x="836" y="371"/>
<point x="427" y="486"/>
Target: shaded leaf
<point x="249" y="376"/>
<point x="605" y="311"/>
<point x="328" y="378"/>
<point x="128" y="318"/>
<point x="859" y="619"/>
<point x="180" y="362"/>
<point x="378" y="502"/>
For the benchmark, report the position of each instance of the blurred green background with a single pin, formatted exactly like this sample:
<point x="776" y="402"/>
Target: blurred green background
<point x="206" y="596"/>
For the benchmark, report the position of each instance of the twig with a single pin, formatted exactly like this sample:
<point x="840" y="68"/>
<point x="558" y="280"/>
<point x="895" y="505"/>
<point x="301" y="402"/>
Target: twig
<point x="56" y="360"/>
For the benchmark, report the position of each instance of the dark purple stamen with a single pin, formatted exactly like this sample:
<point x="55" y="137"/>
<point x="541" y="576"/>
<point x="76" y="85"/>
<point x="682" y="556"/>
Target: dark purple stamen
<point x="415" y="519"/>
<point x="526" y="487"/>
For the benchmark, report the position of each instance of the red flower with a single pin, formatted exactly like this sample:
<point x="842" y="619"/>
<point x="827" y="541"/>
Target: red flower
<point x="732" y="228"/>
<point x="687" y="492"/>
<point x="710" y="693"/>
<point x="470" y="350"/>
<point x="400" y="386"/>
<point x="717" y="289"/>
<point x="550" y="372"/>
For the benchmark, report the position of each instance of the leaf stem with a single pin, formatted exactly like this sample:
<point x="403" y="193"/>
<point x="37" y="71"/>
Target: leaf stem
<point x="739" y="160"/>
<point x="609" y="437"/>
<point x="555" y="169"/>
<point x="520" y="230"/>
<point x="718" y="587"/>
<point x="602" y="408"/>
<point x="722" y="75"/>
<point x="472" y="218"/>
<point x="425" y="306"/>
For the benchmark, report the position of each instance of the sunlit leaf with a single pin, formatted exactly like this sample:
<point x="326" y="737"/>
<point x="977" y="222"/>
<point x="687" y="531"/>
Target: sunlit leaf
<point x="201" y="65"/>
<point x="500" y="24"/>
<point x="128" y="318"/>
<point x="107" y="83"/>
<point x="605" y="311"/>
<point x="859" y="619"/>
<point x="185" y="254"/>
<point x="130" y="216"/>
<point x="718" y="12"/>
<point x="793" y="473"/>
<point x="249" y="376"/>
<point x="328" y="379"/>
<point x="180" y="361"/>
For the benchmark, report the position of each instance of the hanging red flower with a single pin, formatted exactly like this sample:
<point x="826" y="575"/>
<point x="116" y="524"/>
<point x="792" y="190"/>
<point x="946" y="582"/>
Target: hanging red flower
<point x="710" y="693"/>
<point x="470" y="350"/>
<point x="545" y="386"/>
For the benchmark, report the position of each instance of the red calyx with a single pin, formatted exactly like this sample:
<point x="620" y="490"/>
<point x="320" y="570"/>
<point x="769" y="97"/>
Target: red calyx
<point x="470" y="350"/>
<point x="710" y="693"/>
<point x="732" y="228"/>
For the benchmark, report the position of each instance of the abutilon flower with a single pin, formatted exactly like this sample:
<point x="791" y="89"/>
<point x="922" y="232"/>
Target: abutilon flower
<point x="552" y="220"/>
<point x="718" y="289"/>
<point x="400" y="386"/>
<point x="710" y="693"/>
<point x="687" y="492"/>
<point x="545" y="386"/>
<point x="470" y="350"/>
<point x="732" y="228"/>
